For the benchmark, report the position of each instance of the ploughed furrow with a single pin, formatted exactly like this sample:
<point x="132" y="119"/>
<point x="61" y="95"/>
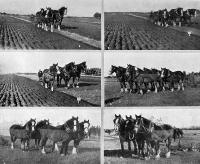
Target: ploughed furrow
<point x="18" y="34"/>
<point x="124" y="32"/>
<point x="17" y="91"/>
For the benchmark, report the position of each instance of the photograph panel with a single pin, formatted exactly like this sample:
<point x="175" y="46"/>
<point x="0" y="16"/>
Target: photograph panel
<point x="151" y="79"/>
<point x="50" y="79"/>
<point x="39" y="24"/>
<point x="151" y="135"/>
<point x="152" y="25"/>
<point x="50" y="136"/>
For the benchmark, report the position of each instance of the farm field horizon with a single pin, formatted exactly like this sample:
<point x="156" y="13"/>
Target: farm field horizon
<point x="19" y="34"/>
<point x="134" y="31"/>
<point x="34" y="94"/>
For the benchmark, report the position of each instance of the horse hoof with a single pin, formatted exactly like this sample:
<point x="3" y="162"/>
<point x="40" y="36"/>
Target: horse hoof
<point x="121" y="157"/>
<point x="77" y="86"/>
<point x="146" y="158"/>
<point x="62" y="155"/>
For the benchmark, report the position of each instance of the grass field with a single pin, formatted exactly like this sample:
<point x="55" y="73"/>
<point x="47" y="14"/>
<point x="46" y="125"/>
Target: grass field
<point x="113" y="97"/>
<point x="191" y="137"/>
<point x="88" y="152"/>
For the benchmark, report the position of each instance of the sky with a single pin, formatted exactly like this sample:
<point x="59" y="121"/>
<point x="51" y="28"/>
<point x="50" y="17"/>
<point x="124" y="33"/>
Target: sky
<point x="147" y="5"/>
<point x="75" y="7"/>
<point x="189" y="62"/>
<point x="178" y="117"/>
<point x="31" y="62"/>
<point x="56" y="116"/>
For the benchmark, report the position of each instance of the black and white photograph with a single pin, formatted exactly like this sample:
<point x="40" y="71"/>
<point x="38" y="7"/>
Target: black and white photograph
<point x="50" y="136"/>
<point x="152" y="25"/>
<point x="50" y="79"/>
<point x="41" y="24"/>
<point x="151" y="79"/>
<point x="151" y="136"/>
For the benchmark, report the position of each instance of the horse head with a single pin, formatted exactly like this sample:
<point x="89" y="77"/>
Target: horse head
<point x="117" y="121"/>
<point x="74" y="125"/>
<point x="83" y="66"/>
<point x="86" y="126"/>
<point x="30" y="125"/>
<point x="113" y="69"/>
<point x="63" y="11"/>
<point x="54" y="69"/>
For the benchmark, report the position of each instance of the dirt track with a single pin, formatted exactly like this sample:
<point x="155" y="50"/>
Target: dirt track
<point x="21" y="91"/>
<point x="18" y="34"/>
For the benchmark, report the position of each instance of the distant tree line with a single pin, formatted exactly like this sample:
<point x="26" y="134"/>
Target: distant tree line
<point x="95" y="131"/>
<point x="97" y="15"/>
<point x="93" y="71"/>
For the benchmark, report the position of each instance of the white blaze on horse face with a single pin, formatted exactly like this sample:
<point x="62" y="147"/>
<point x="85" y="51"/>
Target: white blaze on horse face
<point x="75" y="125"/>
<point x="86" y="129"/>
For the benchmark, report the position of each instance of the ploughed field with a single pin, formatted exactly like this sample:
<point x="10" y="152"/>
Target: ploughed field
<point x="188" y="97"/>
<point x="124" y="32"/>
<point x="187" y="153"/>
<point x="18" y="34"/>
<point x="21" y="91"/>
<point x="88" y="152"/>
<point x="89" y="88"/>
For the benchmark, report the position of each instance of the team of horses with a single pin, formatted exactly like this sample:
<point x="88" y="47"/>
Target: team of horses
<point x="145" y="135"/>
<point x="173" y="16"/>
<point x="68" y="71"/>
<point x="43" y="131"/>
<point x="146" y="80"/>
<point x="50" y="19"/>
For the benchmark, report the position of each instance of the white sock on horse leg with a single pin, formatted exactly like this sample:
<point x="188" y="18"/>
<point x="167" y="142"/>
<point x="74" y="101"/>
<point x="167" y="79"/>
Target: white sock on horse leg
<point x="58" y="27"/>
<point x="51" y="28"/>
<point x="43" y="151"/>
<point x="56" y="147"/>
<point x="168" y="154"/>
<point x="12" y="145"/>
<point x="74" y="150"/>
<point x="122" y="89"/>
<point x="52" y="88"/>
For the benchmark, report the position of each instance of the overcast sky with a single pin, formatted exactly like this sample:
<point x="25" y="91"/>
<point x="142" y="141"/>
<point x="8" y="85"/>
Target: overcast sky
<point x="178" y="117"/>
<point x="188" y="62"/>
<point x="55" y="115"/>
<point x="31" y="62"/>
<point x="75" y="7"/>
<point x="147" y="5"/>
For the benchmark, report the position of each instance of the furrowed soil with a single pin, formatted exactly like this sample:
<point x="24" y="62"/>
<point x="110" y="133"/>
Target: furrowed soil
<point x="19" y="34"/>
<point x="21" y="91"/>
<point x="126" y="32"/>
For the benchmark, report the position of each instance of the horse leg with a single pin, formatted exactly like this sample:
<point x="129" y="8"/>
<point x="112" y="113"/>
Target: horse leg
<point x="43" y="143"/>
<point x="58" y="27"/>
<point x="52" y="27"/>
<point x="168" y="147"/>
<point x="58" y="80"/>
<point x="122" y="147"/>
<point x="129" y="145"/>
<point x="12" y="142"/>
<point x="182" y="86"/>
<point x="157" y="147"/>
<point x="135" y="146"/>
<point x="56" y="147"/>
<point x="77" y="82"/>
<point x="121" y="85"/>
<point x="51" y="84"/>
<point x="124" y="83"/>
<point x="155" y="85"/>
